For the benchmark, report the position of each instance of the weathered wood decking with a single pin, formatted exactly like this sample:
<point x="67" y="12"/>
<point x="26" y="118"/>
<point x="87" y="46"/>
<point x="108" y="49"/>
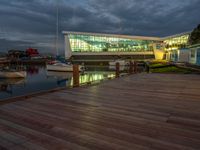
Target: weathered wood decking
<point x="144" y="111"/>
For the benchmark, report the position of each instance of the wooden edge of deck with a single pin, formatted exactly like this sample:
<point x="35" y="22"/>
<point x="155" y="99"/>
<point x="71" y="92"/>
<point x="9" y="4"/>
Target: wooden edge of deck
<point x="34" y="94"/>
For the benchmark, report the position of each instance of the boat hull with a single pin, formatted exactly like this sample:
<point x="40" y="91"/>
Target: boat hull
<point x="13" y="74"/>
<point x="67" y="68"/>
<point x="121" y="63"/>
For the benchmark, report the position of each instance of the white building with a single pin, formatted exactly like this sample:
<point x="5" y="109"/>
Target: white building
<point x="194" y="54"/>
<point x="96" y="46"/>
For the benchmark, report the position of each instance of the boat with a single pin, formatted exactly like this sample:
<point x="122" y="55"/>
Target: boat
<point x="12" y="74"/>
<point x="59" y="64"/>
<point x="121" y="63"/>
<point x="12" y="81"/>
<point x="62" y="67"/>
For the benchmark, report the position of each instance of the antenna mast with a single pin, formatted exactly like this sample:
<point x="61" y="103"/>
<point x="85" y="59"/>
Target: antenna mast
<point x="57" y="27"/>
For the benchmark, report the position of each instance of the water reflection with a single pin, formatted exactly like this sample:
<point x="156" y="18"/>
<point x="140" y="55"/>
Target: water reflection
<point x="59" y="75"/>
<point x="7" y="84"/>
<point x="32" y="69"/>
<point x="38" y="79"/>
<point x="62" y="78"/>
<point x="121" y="68"/>
<point x="86" y="77"/>
<point x="90" y="77"/>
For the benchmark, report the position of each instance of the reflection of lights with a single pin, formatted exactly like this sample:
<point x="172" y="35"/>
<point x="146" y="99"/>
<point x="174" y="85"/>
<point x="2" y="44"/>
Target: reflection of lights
<point x="93" y="77"/>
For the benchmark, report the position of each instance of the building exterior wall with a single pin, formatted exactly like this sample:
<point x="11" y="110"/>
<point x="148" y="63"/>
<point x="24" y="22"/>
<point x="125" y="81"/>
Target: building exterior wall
<point x="77" y="43"/>
<point x="183" y="55"/>
<point x="176" y="47"/>
<point x="194" y="55"/>
<point x="68" y="51"/>
<point x="172" y="48"/>
<point x="198" y="56"/>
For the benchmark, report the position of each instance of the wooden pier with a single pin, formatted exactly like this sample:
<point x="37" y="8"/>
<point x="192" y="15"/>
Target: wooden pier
<point x="140" y="111"/>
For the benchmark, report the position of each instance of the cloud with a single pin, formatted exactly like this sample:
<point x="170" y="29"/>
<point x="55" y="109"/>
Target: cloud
<point x="34" y="21"/>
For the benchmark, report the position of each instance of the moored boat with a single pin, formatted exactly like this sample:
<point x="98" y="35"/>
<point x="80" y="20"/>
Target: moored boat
<point x="62" y="67"/>
<point x="121" y="62"/>
<point x="12" y="74"/>
<point x="12" y="81"/>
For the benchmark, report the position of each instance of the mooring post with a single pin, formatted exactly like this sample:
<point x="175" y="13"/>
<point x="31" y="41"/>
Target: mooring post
<point x="131" y="67"/>
<point x="135" y="67"/>
<point x="117" y="70"/>
<point x="76" y="76"/>
<point x="147" y="67"/>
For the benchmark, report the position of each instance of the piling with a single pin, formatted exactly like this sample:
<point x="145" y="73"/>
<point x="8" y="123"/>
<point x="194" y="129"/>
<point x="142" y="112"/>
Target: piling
<point x="76" y="82"/>
<point x="135" y="67"/>
<point x="131" y="67"/>
<point x="117" y="73"/>
<point x="147" y="68"/>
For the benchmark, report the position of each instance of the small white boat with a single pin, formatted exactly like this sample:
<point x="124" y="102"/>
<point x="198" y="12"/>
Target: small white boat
<point x="62" y="67"/>
<point x="121" y="63"/>
<point x="13" y="74"/>
<point x="12" y="81"/>
<point x="121" y="68"/>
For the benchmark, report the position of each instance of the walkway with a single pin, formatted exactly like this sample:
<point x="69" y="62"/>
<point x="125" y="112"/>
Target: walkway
<point x="143" y="111"/>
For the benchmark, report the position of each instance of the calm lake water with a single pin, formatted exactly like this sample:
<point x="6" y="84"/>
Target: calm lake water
<point x="39" y="79"/>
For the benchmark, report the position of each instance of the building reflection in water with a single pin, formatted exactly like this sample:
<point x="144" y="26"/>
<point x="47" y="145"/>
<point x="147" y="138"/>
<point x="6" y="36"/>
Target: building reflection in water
<point x="93" y="77"/>
<point x="6" y="85"/>
<point x="32" y="70"/>
<point x="87" y="77"/>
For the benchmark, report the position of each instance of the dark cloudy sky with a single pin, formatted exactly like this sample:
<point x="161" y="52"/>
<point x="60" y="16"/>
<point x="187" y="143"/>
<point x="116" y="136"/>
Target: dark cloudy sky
<point x="25" y="23"/>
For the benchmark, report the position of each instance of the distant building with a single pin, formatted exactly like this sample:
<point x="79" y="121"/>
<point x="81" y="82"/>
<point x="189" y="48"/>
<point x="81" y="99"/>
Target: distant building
<point x="32" y="52"/>
<point x="14" y="54"/>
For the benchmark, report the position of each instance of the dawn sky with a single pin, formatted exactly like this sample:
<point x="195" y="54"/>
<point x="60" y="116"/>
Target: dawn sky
<point x="32" y="23"/>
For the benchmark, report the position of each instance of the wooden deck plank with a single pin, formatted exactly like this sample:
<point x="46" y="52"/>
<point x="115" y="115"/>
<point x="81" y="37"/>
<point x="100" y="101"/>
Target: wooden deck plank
<point x="144" y="111"/>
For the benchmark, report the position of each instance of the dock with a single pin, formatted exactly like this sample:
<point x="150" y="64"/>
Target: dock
<point x="136" y="112"/>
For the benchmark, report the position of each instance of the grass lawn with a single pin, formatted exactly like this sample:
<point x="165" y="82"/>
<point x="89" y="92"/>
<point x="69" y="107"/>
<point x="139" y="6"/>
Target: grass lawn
<point x="157" y="65"/>
<point x="171" y="69"/>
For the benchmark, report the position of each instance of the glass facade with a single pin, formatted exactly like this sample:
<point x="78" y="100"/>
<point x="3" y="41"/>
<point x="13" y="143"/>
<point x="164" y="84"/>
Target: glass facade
<point x="97" y="43"/>
<point x="174" y="43"/>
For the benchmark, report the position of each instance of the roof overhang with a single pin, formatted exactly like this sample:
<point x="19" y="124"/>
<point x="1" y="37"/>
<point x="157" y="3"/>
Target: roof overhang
<point x="177" y="35"/>
<point x="115" y="35"/>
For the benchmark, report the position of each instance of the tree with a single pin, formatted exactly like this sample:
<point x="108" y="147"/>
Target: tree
<point x="195" y="36"/>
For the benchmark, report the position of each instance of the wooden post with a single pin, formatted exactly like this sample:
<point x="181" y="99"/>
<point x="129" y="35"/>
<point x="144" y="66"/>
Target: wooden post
<point x="135" y="67"/>
<point x="76" y="76"/>
<point x="117" y="70"/>
<point x="147" y="68"/>
<point x="131" y="67"/>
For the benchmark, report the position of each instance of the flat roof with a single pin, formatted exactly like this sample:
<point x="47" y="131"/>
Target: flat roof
<point x="115" y="35"/>
<point x="127" y="36"/>
<point x="176" y="35"/>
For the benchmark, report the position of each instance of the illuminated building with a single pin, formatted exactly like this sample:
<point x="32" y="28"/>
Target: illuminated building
<point x="109" y="46"/>
<point x="194" y="54"/>
<point x="95" y="46"/>
<point x="176" y="47"/>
